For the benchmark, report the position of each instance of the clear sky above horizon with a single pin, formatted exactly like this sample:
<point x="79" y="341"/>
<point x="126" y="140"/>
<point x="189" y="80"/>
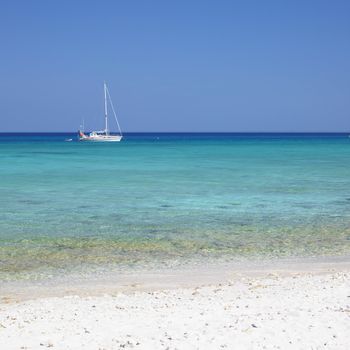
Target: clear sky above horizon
<point x="176" y="66"/>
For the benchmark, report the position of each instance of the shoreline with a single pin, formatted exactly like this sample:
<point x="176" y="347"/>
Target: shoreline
<point x="130" y="281"/>
<point x="275" y="306"/>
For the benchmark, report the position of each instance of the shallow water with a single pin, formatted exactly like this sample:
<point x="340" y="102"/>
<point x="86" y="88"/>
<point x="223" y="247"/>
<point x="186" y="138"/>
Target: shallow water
<point x="169" y="199"/>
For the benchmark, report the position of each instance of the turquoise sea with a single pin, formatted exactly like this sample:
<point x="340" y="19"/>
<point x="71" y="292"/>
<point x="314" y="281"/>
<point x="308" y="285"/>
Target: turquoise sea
<point x="157" y="200"/>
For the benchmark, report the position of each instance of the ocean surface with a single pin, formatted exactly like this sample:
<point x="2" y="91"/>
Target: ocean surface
<point x="163" y="200"/>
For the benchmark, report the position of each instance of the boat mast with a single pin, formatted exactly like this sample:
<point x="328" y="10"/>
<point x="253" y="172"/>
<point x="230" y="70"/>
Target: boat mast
<point x="113" y="110"/>
<point x="106" y="112"/>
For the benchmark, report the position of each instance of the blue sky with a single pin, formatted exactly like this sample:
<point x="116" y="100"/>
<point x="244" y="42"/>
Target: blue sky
<point x="176" y="65"/>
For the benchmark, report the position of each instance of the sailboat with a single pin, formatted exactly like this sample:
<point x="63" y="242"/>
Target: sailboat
<point x="103" y="135"/>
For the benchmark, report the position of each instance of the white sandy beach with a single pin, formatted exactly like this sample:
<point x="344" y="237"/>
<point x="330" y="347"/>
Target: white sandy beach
<point x="309" y="310"/>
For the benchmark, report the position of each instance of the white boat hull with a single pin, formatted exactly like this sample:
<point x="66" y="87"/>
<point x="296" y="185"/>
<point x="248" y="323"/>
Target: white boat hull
<point x="101" y="138"/>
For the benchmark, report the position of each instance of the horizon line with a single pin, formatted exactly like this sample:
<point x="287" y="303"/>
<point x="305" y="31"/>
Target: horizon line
<point x="185" y="132"/>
